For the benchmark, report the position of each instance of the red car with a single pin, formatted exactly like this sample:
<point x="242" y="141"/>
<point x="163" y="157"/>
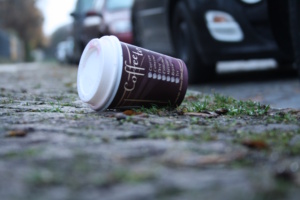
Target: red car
<point x="108" y="17"/>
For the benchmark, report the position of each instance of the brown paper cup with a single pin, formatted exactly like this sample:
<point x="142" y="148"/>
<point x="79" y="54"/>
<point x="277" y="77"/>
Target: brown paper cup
<point x="116" y="75"/>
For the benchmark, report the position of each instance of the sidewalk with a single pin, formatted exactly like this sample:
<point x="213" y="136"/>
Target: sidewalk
<point x="52" y="146"/>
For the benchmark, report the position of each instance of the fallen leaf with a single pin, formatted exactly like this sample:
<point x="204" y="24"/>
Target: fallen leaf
<point x="131" y="113"/>
<point x="17" y="133"/>
<point x="255" y="144"/>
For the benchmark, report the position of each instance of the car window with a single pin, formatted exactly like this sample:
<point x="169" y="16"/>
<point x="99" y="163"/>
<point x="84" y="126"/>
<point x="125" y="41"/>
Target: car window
<point x="83" y="6"/>
<point x="98" y="4"/>
<point x="117" y="4"/>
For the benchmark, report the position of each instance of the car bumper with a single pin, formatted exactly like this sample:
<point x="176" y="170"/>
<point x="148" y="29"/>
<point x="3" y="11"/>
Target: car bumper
<point x="233" y="30"/>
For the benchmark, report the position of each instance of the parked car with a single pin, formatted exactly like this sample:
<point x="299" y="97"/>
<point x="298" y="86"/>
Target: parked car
<point x="109" y="17"/>
<point x="79" y="14"/>
<point x="64" y="50"/>
<point x="205" y="32"/>
<point x="95" y="18"/>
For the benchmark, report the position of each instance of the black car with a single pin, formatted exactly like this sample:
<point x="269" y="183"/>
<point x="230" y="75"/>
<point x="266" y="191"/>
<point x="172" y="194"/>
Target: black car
<point x="203" y="32"/>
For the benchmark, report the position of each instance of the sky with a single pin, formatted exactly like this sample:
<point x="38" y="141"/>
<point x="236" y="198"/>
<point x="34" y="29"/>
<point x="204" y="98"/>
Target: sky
<point x="56" y="13"/>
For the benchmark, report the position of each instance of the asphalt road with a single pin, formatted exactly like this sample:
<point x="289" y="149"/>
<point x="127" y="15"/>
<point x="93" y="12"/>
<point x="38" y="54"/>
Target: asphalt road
<point x="279" y="88"/>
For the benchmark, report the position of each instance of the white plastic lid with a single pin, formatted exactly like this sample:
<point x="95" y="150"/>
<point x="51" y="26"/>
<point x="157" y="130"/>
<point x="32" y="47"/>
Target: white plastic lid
<point x="99" y="72"/>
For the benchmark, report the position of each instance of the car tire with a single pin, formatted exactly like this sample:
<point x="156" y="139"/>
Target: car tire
<point x="286" y="29"/>
<point x="185" y="49"/>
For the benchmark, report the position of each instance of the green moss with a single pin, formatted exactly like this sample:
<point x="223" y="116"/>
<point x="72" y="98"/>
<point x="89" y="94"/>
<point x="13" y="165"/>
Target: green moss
<point x="73" y="117"/>
<point x="37" y="86"/>
<point x="241" y="163"/>
<point x="172" y="133"/>
<point x="282" y="118"/>
<point x="54" y="109"/>
<point x="126" y="176"/>
<point x="211" y="103"/>
<point x="233" y="106"/>
<point x="27" y="153"/>
<point x="67" y="104"/>
<point x="59" y="98"/>
<point x="294" y="149"/>
<point x="150" y="110"/>
<point x="43" y="178"/>
<point x="7" y="101"/>
<point x="172" y="136"/>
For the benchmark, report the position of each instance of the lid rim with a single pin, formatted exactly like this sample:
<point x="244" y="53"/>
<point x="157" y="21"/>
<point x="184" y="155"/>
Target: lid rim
<point x="108" y="78"/>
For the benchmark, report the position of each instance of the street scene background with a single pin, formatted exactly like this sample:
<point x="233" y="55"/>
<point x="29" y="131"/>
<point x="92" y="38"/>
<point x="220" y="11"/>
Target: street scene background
<point x="235" y="136"/>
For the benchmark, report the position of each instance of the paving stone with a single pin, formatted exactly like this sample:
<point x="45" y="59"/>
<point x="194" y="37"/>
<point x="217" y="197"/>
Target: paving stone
<point x="68" y="151"/>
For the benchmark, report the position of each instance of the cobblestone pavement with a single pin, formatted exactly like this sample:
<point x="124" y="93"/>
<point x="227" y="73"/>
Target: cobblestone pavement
<point x="52" y="146"/>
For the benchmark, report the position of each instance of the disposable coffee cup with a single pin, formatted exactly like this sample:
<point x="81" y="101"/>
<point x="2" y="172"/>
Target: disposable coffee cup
<point x="116" y="75"/>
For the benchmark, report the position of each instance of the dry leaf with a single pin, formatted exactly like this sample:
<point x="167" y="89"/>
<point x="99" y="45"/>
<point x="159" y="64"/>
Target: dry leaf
<point x="131" y="112"/>
<point x="255" y="144"/>
<point x="17" y="133"/>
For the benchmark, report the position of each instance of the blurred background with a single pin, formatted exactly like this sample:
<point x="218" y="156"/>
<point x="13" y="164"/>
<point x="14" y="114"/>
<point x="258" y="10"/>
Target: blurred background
<point x="31" y="29"/>
<point x="215" y="31"/>
<point x="203" y="34"/>
<point x="51" y="30"/>
<point x="213" y="37"/>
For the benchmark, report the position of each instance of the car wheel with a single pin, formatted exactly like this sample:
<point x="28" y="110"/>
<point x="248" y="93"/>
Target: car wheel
<point x="185" y="48"/>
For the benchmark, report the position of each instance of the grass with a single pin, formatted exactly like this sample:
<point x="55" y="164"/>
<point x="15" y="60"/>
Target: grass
<point x="182" y="137"/>
<point x="23" y="154"/>
<point x="277" y="139"/>
<point x="154" y="109"/>
<point x="280" y="117"/>
<point x="232" y="106"/>
<point x="40" y="178"/>
<point x="54" y="109"/>
<point x="84" y="172"/>
<point x="8" y="101"/>
<point x="212" y="103"/>
<point x="170" y="131"/>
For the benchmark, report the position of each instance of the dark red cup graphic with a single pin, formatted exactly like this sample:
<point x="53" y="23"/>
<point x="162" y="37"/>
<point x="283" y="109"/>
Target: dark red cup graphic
<point x="116" y="75"/>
